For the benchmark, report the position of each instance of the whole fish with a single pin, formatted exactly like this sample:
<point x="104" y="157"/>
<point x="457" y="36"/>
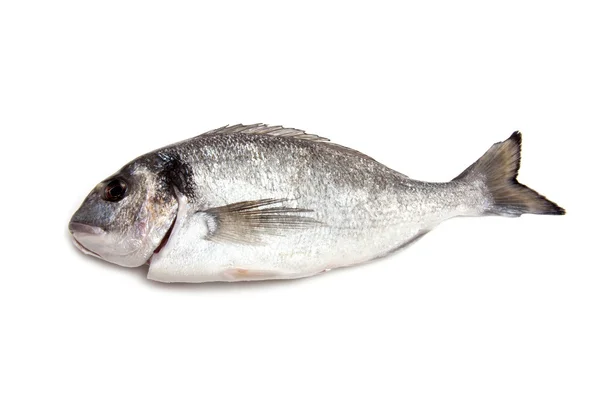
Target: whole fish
<point x="252" y="202"/>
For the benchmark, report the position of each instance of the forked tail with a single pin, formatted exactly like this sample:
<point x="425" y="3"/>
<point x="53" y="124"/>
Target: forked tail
<point x="498" y="169"/>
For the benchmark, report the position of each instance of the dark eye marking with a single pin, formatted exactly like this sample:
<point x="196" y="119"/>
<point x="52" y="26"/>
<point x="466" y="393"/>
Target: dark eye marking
<point x="115" y="190"/>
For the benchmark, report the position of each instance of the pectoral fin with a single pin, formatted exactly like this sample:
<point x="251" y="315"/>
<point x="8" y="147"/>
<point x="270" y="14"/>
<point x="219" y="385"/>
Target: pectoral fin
<point x="249" y="221"/>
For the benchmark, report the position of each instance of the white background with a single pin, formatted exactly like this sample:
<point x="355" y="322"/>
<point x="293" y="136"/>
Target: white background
<point x="481" y="308"/>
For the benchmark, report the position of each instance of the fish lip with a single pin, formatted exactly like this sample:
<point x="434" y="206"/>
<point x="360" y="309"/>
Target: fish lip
<point x="78" y="227"/>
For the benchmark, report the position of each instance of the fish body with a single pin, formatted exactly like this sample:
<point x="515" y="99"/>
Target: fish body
<point x="260" y="202"/>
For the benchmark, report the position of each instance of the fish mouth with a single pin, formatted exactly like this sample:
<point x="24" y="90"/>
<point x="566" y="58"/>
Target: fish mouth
<point x="82" y="248"/>
<point x="84" y="229"/>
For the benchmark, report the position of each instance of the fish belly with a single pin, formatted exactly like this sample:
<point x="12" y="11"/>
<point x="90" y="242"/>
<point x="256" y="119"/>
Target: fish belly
<point x="293" y="255"/>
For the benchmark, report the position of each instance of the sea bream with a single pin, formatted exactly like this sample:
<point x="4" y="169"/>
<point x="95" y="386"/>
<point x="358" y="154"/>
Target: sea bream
<point x="252" y="202"/>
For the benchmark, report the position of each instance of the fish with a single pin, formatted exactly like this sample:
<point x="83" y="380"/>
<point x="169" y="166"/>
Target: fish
<point x="257" y="202"/>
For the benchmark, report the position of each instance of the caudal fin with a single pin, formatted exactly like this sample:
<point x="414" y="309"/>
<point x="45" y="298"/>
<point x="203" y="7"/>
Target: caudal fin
<point x="498" y="169"/>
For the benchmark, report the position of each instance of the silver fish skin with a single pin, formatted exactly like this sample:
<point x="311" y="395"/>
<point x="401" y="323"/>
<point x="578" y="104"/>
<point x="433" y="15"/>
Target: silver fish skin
<point x="254" y="202"/>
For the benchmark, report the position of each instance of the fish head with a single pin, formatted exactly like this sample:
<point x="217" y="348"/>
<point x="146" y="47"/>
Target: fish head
<point x="126" y="217"/>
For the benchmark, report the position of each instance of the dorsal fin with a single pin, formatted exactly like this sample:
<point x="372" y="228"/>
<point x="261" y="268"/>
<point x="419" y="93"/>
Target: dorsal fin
<point x="263" y="129"/>
<point x="278" y="130"/>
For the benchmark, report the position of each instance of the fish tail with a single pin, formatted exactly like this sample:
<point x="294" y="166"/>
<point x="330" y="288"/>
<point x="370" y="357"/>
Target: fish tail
<point x="498" y="169"/>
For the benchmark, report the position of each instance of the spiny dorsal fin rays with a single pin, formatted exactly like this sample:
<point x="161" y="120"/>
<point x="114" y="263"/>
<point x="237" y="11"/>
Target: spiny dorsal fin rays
<point x="249" y="221"/>
<point x="263" y="129"/>
<point x="278" y="130"/>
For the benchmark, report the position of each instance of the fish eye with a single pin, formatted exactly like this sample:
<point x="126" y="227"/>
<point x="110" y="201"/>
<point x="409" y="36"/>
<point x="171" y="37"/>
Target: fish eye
<point x="115" y="190"/>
